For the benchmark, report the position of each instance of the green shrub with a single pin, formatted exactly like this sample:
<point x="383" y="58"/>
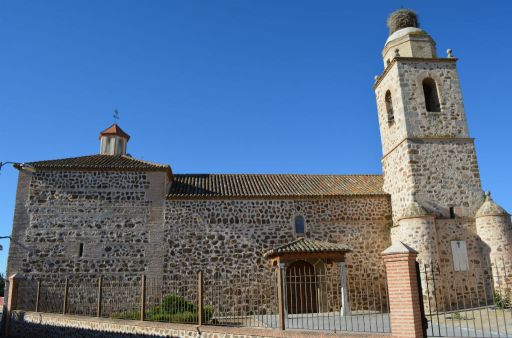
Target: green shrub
<point x="135" y="315"/>
<point x="182" y="317"/>
<point x="207" y="313"/>
<point x="457" y="316"/>
<point x="172" y="309"/>
<point x="172" y="305"/>
<point x="502" y="300"/>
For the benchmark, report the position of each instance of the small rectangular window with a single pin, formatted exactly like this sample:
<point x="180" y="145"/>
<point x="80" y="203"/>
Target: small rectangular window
<point x="299" y="225"/>
<point x="460" y="256"/>
<point x="81" y="250"/>
<point x="452" y="212"/>
<point x="112" y="146"/>
<point x="103" y="149"/>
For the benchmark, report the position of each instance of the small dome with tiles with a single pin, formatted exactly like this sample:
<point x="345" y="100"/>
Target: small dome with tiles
<point x="490" y="208"/>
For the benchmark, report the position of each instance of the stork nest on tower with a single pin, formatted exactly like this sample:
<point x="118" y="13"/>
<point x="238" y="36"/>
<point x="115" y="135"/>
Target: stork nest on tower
<point x="402" y="18"/>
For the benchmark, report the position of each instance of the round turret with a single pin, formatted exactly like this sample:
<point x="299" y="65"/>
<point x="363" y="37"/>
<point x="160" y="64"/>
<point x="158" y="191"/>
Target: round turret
<point x="416" y="228"/>
<point x="493" y="226"/>
<point x="415" y="210"/>
<point x="490" y="208"/>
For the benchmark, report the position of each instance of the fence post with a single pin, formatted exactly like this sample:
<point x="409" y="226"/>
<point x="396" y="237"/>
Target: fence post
<point x="404" y="299"/>
<point x="66" y="288"/>
<point x="142" y="297"/>
<point x="100" y="296"/>
<point x="345" y="306"/>
<point x="200" y="298"/>
<point x="281" y="292"/>
<point x="38" y="295"/>
<point x="11" y="302"/>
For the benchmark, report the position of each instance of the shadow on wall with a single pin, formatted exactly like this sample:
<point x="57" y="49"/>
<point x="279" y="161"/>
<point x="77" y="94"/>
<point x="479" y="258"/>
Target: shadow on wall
<point x="22" y="329"/>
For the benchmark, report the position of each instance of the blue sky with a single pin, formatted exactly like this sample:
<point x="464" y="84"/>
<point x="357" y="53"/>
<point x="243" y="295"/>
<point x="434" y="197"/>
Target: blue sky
<point x="233" y="86"/>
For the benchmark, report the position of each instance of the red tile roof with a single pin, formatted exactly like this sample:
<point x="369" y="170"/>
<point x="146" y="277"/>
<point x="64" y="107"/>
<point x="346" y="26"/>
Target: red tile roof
<point x="115" y="130"/>
<point x="306" y="245"/>
<point x="273" y="185"/>
<point x="100" y="162"/>
<point x="185" y="186"/>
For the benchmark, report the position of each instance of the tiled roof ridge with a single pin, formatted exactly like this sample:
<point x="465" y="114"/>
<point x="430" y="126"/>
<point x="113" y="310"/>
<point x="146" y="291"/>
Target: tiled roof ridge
<point x="143" y="161"/>
<point x="230" y="185"/>
<point x="98" y="161"/>
<point x="272" y="174"/>
<point x="93" y="155"/>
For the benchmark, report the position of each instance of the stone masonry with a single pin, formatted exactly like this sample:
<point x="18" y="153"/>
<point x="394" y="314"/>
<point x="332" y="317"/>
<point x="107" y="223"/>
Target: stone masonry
<point x="115" y="216"/>
<point x="227" y="236"/>
<point x="110" y="214"/>
<point x="429" y="161"/>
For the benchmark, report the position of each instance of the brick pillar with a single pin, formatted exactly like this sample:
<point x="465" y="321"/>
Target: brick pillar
<point x="404" y="299"/>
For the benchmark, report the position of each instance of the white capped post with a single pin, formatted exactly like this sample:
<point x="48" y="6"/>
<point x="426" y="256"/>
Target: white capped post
<point x="345" y="306"/>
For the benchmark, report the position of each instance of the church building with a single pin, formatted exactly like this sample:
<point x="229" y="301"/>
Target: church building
<point x="110" y="214"/>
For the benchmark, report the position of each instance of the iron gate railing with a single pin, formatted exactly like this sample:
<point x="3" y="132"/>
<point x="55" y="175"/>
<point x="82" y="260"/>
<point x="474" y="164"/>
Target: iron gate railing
<point x="316" y="298"/>
<point x="319" y="299"/>
<point x="472" y="303"/>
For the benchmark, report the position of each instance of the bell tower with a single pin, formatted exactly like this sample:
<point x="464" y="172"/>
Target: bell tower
<point x="429" y="161"/>
<point x="428" y="155"/>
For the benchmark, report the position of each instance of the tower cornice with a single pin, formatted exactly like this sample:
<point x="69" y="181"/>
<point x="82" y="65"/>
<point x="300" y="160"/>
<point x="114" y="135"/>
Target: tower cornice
<point x="436" y="138"/>
<point x="410" y="59"/>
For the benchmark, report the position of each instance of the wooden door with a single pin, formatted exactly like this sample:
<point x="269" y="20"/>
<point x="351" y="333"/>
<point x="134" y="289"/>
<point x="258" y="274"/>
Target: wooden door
<point x="301" y="288"/>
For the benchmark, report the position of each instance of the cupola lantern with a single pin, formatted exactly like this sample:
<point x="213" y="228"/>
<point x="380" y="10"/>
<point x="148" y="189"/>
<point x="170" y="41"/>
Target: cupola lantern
<point x="113" y="141"/>
<point x="406" y="39"/>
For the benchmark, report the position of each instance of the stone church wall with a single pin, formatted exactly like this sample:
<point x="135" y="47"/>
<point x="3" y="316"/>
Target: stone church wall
<point x="228" y="236"/>
<point x="106" y="212"/>
<point x="127" y="229"/>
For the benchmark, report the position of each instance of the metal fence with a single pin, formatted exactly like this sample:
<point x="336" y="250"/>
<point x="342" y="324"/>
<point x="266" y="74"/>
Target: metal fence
<point x="472" y="303"/>
<point x="172" y="299"/>
<point x="313" y="299"/>
<point x="243" y="299"/>
<point x="327" y="299"/>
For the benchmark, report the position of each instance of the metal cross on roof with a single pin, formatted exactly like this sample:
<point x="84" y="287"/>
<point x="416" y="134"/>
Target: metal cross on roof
<point x="116" y="115"/>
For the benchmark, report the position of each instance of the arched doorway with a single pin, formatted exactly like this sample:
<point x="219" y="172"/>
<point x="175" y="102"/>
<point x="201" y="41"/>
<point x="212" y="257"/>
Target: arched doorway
<point x="301" y="288"/>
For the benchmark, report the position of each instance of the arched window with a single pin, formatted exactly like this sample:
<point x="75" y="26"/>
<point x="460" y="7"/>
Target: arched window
<point x="389" y="107"/>
<point x="431" y="96"/>
<point x="299" y="225"/>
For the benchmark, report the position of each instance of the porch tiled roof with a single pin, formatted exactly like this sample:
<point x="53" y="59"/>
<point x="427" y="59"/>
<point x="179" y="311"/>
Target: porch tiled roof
<point x="306" y="245"/>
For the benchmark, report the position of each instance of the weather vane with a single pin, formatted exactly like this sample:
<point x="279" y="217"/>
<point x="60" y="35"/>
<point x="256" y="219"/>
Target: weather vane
<point x="116" y="115"/>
